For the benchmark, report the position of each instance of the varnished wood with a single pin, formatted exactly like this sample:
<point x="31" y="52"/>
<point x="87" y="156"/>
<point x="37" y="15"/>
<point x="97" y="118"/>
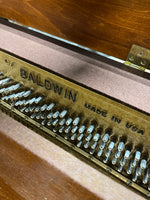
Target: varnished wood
<point x="108" y="26"/>
<point x="25" y="176"/>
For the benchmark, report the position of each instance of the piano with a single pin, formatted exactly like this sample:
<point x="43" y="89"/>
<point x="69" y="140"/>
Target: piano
<point x="89" y="100"/>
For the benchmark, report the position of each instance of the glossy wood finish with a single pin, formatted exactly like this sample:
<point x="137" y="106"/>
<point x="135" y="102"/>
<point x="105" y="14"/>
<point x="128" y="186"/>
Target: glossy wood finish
<point x="25" y="176"/>
<point x="108" y="26"/>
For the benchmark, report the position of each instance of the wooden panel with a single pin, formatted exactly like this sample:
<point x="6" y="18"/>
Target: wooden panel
<point x="25" y="176"/>
<point x="107" y="26"/>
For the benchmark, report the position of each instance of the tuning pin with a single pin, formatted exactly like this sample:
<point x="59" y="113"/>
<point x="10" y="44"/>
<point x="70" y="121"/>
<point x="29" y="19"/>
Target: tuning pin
<point x="108" y="152"/>
<point x="109" y="149"/>
<point x="121" y="146"/>
<point x="90" y="129"/>
<point x="73" y="137"/>
<point x="63" y="113"/>
<point x="134" y="177"/>
<point x="146" y="175"/>
<point x="130" y="168"/>
<point x="49" y="123"/>
<point x="141" y="167"/>
<point x="92" y="151"/>
<point x="114" y="160"/>
<point x="56" y="114"/>
<point x="117" y="154"/>
<point x="68" y="121"/>
<point x="61" y="129"/>
<point x="44" y="122"/>
<point x="93" y="145"/>
<point x="27" y="93"/>
<point x="38" y="116"/>
<point x="102" y="145"/>
<point x="33" y="116"/>
<point x="124" y="158"/>
<point x="137" y="155"/>
<point x="55" y="122"/>
<point x="136" y="158"/>
<point x="105" y="137"/>
<point x="82" y="129"/>
<point x="55" y="129"/>
<point x="38" y="99"/>
<point x="74" y="129"/>
<point x="88" y="137"/>
<point x="43" y="116"/>
<point x="111" y="145"/>
<point x="32" y="108"/>
<point x="143" y="164"/>
<point x="23" y="109"/>
<point x="134" y="163"/>
<point x="76" y="121"/>
<point x="138" y="171"/>
<point x="50" y="115"/>
<point x="86" y="145"/>
<point x="30" y="101"/>
<point x="62" y="122"/>
<point x="122" y="161"/>
<point x="37" y="109"/>
<point x="96" y="137"/>
<point x="43" y="108"/>
<point x="67" y="130"/>
<point x="79" y="144"/>
<point x="120" y="168"/>
<point x="5" y="80"/>
<point x="27" y="109"/>
<point x="127" y="154"/>
<point x="100" y="152"/>
<point x="50" y="106"/>
<point x="106" y="159"/>
<point x="80" y="137"/>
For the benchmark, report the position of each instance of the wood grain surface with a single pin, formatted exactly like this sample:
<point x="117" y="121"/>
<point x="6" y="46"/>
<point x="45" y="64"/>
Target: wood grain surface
<point x="25" y="176"/>
<point x="108" y="26"/>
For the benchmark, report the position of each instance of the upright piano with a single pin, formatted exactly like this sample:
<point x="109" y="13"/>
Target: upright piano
<point x="74" y="99"/>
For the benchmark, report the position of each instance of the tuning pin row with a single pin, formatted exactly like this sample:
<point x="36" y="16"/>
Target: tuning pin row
<point x="18" y="95"/>
<point x="82" y="133"/>
<point x="108" y="151"/>
<point x="103" y="143"/>
<point x="11" y="88"/>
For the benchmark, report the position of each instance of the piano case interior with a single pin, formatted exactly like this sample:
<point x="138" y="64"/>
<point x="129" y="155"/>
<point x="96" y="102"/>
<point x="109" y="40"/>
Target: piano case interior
<point x="106" y="101"/>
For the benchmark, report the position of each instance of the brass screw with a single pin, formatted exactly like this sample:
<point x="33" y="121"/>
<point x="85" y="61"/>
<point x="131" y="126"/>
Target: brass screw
<point x="141" y="53"/>
<point x="143" y="62"/>
<point x="131" y="58"/>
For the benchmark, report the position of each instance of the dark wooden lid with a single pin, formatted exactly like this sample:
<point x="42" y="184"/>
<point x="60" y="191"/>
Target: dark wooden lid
<point x="107" y="26"/>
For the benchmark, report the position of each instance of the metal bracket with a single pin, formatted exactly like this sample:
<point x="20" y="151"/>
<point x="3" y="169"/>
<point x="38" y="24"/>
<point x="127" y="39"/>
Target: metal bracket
<point x="139" y="58"/>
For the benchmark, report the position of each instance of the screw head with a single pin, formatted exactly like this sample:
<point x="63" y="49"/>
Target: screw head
<point x="131" y="58"/>
<point x="143" y="62"/>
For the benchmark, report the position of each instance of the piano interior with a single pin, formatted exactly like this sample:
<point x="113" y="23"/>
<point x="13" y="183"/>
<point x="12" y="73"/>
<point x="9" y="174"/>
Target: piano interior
<point x="74" y="117"/>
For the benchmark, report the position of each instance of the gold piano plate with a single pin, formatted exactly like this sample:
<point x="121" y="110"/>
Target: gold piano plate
<point x="111" y="136"/>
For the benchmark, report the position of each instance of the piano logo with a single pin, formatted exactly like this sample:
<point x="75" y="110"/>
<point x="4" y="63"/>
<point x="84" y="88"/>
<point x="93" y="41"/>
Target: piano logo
<point x="49" y="85"/>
